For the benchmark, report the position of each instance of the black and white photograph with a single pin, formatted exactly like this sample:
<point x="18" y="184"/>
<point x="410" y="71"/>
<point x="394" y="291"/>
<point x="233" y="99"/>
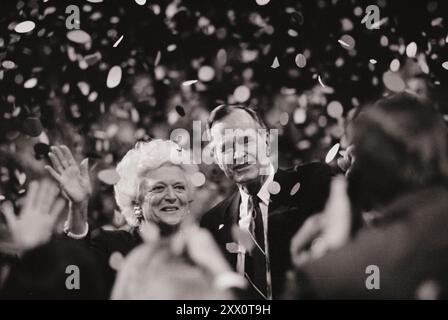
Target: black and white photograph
<point x="231" y="151"/>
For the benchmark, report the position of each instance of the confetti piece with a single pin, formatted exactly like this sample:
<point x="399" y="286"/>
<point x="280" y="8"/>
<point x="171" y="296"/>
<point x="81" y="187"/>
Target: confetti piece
<point x="445" y="65"/>
<point x="373" y="61"/>
<point x="284" y="118"/>
<point x="198" y="179"/>
<point x="24" y="27"/>
<point x="109" y="176"/>
<point x="84" y="87"/>
<point x="300" y="60"/>
<point x="378" y="24"/>
<point x="348" y="42"/>
<point x="94" y="1"/>
<point x="335" y="109"/>
<point x="299" y="116"/>
<point x="332" y="153"/>
<point x="158" y="57"/>
<point x="32" y="126"/>
<point x="79" y="36"/>
<point x="241" y="94"/>
<point x="8" y="64"/>
<point x="320" y="81"/>
<point x="411" y="50"/>
<point x="275" y="63"/>
<point x="180" y="110"/>
<point x="262" y="2"/>
<point x="118" y="41"/>
<point x="30" y="83"/>
<point x="274" y="187"/>
<point x="189" y="83"/>
<point x="2" y="197"/>
<point x="140" y="2"/>
<point x="295" y="189"/>
<point x="395" y="65"/>
<point x="206" y="73"/>
<point x="393" y="82"/>
<point x="114" y="77"/>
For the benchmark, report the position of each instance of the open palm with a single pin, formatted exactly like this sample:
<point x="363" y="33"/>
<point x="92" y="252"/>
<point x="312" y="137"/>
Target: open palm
<point x="74" y="180"/>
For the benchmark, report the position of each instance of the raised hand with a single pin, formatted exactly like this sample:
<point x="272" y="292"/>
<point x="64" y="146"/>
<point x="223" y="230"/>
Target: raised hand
<point x="35" y="224"/>
<point x="74" y="180"/>
<point x="327" y="230"/>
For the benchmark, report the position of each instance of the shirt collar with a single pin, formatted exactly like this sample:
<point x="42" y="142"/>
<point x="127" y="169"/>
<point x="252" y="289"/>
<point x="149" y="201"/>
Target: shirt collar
<point x="263" y="193"/>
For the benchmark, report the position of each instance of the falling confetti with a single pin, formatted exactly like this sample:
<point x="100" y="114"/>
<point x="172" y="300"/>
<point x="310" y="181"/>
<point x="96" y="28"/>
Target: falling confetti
<point x="30" y="83"/>
<point x="24" y="27"/>
<point x="109" y="176"/>
<point x="299" y="116"/>
<point x="242" y="94"/>
<point x="274" y="187"/>
<point x="140" y="2"/>
<point x="295" y="189"/>
<point x="275" y="63"/>
<point x="284" y="118"/>
<point x="206" y="73"/>
<point x="118" y="41"/>
<point x="373" y="61"/>
<point x="198" y="179"/>
<point x="347" y="42"/>
<point x="300" y="60"/>
<point x="262" y="2"/>
<point x="445" y="65"/>
<point x="393" y="82"/>
<point x="335" y="109"/>
<point x="411" y="50"/>
<point x="395" y="65"/>
<point x="189" y="83"/>
<point x="114" y="77"/>
<point x="332" y="153"/>
<point x="320" y="81"/>
<point x="8" y="64"/>
<point x="79" y="36"/>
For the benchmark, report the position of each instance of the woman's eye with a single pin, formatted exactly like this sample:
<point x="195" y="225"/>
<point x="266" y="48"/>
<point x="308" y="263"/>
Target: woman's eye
<point x="157" y="189"/>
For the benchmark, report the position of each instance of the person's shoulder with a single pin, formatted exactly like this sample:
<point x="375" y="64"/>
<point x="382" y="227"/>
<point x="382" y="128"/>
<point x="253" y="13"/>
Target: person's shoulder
<point x="113" y="240"/>
<point x="216" y="213"/>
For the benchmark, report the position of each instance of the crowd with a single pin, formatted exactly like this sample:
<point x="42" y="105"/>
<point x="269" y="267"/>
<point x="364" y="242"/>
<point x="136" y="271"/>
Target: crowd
<point x="355" y="178"/>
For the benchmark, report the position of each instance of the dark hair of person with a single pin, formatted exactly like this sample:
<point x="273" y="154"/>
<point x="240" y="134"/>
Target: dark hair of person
<point x="224" y="110"/>
<point x="400" y="146"/>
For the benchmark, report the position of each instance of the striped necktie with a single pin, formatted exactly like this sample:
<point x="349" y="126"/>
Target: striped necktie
<point x="256" y="263"/>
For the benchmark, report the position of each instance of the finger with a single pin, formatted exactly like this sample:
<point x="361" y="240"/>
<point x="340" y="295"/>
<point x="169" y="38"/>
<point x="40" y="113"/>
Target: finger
<point x="56" y="176"/>
<point x="55" y="162"/>
<point x="30" y="198"/>
<point x="57" y="151"/>
<point x="84" y="167"/>
<point x="56" y="211"/>
<point x="68" y="155"/>
<point x="8" y="213"/>
<point x="310" y="230"/>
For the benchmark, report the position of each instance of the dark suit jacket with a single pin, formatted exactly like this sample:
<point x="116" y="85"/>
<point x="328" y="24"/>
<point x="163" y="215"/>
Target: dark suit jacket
<point x="410" y="248"/>
<point x="285" y="216"/>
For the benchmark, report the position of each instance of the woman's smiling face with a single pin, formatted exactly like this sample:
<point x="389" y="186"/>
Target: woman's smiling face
<point x="165" y="195"/>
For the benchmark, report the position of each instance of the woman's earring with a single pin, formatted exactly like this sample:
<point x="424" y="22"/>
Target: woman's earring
<point x="138" y="212"/>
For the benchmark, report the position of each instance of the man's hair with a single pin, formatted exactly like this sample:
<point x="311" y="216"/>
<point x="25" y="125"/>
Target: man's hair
<point x="224" y="110"/>
<point x="400" y="145"/>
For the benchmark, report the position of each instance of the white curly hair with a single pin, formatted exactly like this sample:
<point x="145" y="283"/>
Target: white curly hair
<point x="144" y="157"/>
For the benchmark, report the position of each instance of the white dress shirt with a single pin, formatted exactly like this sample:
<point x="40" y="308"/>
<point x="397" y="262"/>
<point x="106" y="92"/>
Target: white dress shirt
<point x="245" y="218"/>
